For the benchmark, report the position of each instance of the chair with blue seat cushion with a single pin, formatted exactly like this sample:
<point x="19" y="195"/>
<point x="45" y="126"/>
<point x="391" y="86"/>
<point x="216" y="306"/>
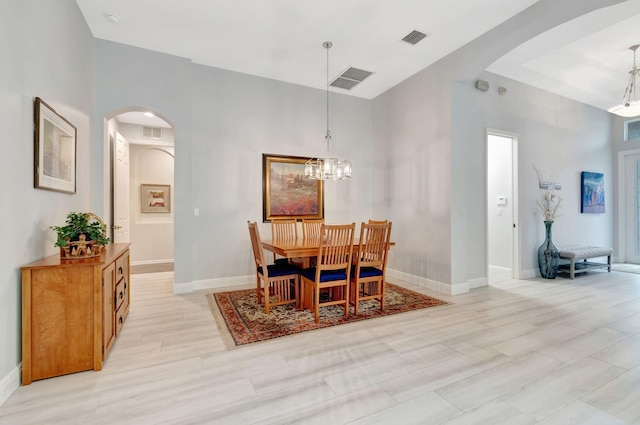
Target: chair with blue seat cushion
<point x="283" y="229"/>
<point x="277" y="284"/>
<point x="368" y="273"/>
<point x="332" y="269"/>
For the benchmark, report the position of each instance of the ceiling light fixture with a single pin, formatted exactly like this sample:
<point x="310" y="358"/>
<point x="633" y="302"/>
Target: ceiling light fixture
<point x="327" y="168"/>
<point x="630" y="106"/>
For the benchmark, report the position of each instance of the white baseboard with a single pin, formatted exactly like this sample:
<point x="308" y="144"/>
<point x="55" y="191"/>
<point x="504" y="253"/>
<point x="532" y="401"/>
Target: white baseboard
<point x="529" y="274"/>
<point x="222" y="283"/>
<point x="443" y="288"/>
<point x="478" y="282"/>
<point x="147" y="262"/>
<point x="245" y="281"/>
<point x="501" y="271"/>
<point x="10" y="383"/>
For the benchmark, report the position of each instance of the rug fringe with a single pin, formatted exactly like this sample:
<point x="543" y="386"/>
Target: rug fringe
<point x="220" y="323"/>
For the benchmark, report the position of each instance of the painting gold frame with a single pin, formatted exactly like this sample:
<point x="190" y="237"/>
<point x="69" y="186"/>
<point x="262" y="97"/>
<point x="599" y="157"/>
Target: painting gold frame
<point x="55" y="142"/>
<point x="286" y="192"/>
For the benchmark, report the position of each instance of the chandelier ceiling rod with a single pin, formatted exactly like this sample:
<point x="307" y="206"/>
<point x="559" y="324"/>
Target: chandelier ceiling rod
<point x="327" y="168"/>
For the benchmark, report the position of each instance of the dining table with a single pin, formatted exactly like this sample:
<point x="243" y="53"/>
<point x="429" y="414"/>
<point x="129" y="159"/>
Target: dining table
<point x="301" y="248"/>
<point x="302" y="252"/>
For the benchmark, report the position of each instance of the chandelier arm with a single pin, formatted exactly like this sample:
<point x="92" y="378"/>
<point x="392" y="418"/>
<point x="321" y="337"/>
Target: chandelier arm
<point x="630" y="105"/>
<point x="629" y="90"/>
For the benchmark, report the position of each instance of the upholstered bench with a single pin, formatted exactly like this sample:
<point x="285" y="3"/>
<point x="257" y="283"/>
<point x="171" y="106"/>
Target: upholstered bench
<point x="583" y="252"/>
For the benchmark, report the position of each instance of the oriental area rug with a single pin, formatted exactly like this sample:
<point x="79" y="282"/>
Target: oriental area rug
<point x="242" y="321"/>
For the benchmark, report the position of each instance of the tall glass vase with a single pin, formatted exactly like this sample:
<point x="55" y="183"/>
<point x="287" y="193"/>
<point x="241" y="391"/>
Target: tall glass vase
<point x="548" y="255"/>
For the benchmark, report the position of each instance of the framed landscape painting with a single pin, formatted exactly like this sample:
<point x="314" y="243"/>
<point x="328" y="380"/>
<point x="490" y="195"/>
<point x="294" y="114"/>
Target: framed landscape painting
<point x="286" y="192"/>
<point x="592" y="192"/>
<point x="55" y="150"/>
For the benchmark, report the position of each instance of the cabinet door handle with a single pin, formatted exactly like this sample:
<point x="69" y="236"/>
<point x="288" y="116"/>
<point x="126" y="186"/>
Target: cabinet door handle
<point x="121" y="295"/>
<point x="120" y="271"/>
<point x="120" y="320"/>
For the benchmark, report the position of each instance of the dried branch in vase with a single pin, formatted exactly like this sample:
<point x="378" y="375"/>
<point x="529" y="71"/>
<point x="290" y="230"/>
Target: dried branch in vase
<point x="548" y="202"/>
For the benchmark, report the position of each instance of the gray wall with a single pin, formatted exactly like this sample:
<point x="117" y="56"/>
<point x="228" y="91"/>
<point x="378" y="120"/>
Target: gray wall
<point x="221" y="130"/>
<point x="127" y="77"/>
<point x="557" y="135"/>
<point x="46" y="50"/>
<point x="430" y="151"/>
<point x="414" y="149"/>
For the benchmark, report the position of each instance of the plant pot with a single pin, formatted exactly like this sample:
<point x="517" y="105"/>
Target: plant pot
<point x="79" y="249"/>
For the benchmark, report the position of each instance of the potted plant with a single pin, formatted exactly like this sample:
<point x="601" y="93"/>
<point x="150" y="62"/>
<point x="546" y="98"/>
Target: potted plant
<point x="82" y="236"/>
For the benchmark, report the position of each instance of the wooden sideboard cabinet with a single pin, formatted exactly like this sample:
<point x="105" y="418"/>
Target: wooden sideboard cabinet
<point x="72" y="311"/>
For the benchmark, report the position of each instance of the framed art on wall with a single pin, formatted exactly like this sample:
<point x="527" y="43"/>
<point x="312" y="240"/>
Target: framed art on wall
<point x="286" y="192"/>
<point x="54" y="150"/>
<point x="592" y="188"/>
<point x="155" y="198"/>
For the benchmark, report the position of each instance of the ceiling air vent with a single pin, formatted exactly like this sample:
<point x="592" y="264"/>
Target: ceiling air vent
<point x="152" y="132"/>
<point x="414" y="37"/>
<point x="350" y="78"/>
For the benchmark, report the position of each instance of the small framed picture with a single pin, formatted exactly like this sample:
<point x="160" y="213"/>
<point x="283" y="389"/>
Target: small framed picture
<point x="155" y="198"/>
<point x="592" y="185"/>
<point x="54" y="151"/>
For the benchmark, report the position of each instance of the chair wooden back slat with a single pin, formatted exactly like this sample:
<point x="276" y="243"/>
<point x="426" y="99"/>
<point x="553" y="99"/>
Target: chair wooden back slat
<point x="378" y="221"/>
<point x="336" y="247"/>
<point x="374" y="245"/>
<point x="311" y="228"/>
<point x="284" y="229"/>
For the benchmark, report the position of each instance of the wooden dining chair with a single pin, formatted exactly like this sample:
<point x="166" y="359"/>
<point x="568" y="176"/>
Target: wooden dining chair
<point x="283" y="229"/>
<point x="276" y="284"/>
<point x="369" y="272"/>
<point x="311" y="228"/>
<point x="332" y="270"/>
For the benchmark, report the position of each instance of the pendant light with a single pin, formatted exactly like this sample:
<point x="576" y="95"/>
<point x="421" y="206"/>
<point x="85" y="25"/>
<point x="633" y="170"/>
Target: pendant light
<point x="327" y="168"/>
<point x="630" y="106"/>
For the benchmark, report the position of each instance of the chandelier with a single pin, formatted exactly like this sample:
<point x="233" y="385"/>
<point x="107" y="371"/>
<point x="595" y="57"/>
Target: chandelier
<point x="630" y="106"/>
<point x="327" y="168"/>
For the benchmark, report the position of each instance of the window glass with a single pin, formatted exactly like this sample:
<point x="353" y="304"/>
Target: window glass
<point x="632" y="130"/>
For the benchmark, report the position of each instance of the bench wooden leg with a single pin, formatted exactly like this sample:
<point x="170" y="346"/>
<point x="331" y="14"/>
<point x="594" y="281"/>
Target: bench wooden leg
<point x="572" y="268"/>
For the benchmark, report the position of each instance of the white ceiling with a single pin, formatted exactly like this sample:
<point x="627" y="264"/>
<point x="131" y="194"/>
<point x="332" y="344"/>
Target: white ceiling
<point x="586" y="59"/>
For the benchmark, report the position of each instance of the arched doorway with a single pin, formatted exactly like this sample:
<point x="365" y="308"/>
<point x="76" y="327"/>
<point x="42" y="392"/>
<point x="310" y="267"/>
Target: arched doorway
<point x="141" y="181"/>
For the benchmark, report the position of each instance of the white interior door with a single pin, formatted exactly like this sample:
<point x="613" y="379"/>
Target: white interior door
<point x="632" y="210"/>
<point x="121" y="190"/>
<point x="502" y="233"/>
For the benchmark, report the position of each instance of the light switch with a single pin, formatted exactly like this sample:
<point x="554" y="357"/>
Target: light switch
<point x="501" y="200"/>
<point x="196" y="212"/>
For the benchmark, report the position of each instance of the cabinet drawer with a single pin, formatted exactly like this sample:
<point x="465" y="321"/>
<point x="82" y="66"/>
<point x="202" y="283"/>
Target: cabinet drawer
<point x="123" y="309"/>
<point x="120" y="293"/>
<point x="122" y="266"/>
<point x="120" y="317"/>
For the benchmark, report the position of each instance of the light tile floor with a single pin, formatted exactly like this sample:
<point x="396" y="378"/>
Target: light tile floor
<point x="517" y="352"/>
